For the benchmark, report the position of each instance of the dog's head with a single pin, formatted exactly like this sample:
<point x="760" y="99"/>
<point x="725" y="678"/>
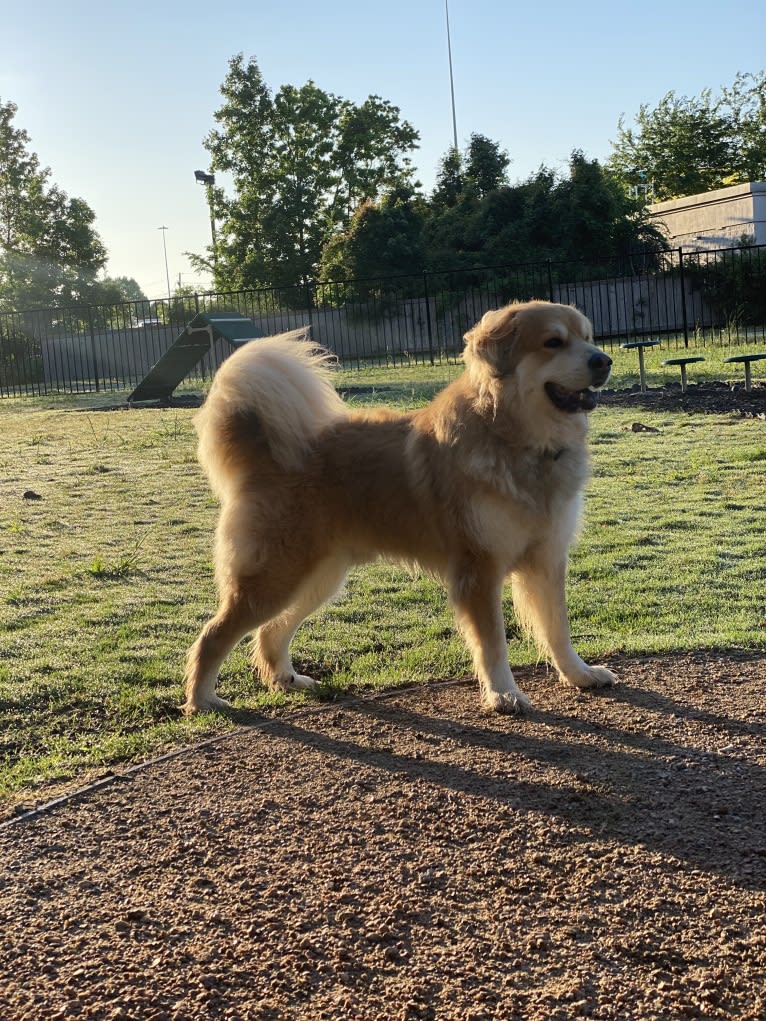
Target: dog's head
<point x="545" y="350"/>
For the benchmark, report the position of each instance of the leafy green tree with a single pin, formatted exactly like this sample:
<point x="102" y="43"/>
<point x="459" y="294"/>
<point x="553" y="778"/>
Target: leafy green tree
<point x="301" y="161"/>
<point x="745" y="100"/>
<point x="685" y="146"/>
<point x="112" y="290"/>
<point x="470" y="175"/>
<point x="583" y="216"/>
<point x="594" y="217"/>
<point x="382" y="239"/>
<point x="371" y="152"/>
<point x="454" y="227"/>
<point x="50" y="252"/>
<point x="486" y="165"/>
<point x="449" y="181"/>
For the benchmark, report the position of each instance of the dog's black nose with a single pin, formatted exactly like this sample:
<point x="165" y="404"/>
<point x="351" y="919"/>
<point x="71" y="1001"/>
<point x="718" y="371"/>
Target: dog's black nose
<point x="599" y="362"/>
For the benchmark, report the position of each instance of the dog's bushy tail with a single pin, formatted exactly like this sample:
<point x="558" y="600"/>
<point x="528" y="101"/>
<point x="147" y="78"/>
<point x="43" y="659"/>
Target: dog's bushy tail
<point x="276" y="389"/>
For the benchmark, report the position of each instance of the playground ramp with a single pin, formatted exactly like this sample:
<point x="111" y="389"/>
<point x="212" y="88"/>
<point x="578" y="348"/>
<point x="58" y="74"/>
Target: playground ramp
<point x="197" y="340"/>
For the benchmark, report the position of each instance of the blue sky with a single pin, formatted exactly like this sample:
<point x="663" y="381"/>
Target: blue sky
<point x="118" y="98"/>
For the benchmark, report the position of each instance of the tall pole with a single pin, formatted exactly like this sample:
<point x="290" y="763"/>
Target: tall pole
<point x="165" y="250"/>
<point x="451" y="80"/>
<point x="209" y="190"/>
<point x="208" y="179"/>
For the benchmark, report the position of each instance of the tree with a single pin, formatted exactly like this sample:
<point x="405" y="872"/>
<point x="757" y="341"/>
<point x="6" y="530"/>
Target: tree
<point x="745" y="99"/>
<point x="464" y="180"/>
<point x="382" y="239"/>
<point x="371" y="151"/>
<point x="595" y="219"/>
<point x="486" y="165"/>
<point x="50" y="252"/>
<point x="120" y="289"/>
<point x="302" y="161"/>
<point x="689" y="145"/>
<point x="586" y="216"/>
<point x="449" y="180"/>
<point x="470" y="175"/>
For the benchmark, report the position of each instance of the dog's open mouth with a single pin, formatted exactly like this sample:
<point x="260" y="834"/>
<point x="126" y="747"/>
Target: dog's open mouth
<point x="571" y="400"/>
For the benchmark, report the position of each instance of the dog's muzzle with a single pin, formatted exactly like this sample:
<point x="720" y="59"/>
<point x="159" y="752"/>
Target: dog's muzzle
<point x="600" y="365"/>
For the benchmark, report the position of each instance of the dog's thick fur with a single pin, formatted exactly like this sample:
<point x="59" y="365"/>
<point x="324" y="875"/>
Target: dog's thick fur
<point x="482" y="484"/>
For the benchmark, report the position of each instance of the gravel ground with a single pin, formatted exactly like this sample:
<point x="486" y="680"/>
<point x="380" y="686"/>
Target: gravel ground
<point x="409" y="857"/>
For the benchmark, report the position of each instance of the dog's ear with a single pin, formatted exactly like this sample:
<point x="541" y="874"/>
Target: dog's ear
<point x="492" y="338"/>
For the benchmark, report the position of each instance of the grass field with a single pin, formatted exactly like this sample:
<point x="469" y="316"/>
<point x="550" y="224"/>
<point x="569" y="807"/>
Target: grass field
<point x="106" y="578"/>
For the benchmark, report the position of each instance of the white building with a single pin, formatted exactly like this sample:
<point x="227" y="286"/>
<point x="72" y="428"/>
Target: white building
<point x="715" y="219"/>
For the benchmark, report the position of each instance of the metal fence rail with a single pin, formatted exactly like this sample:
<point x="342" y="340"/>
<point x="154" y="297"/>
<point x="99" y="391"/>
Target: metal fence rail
<point x="684" y="299"/>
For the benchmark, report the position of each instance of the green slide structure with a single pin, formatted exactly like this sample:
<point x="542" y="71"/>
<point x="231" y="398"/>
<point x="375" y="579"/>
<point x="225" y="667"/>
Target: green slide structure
<point x="195" y="342"/>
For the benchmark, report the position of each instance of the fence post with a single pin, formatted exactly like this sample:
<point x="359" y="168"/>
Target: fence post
<point x="683" y="295"/>
<point x="309" y="304"/>
<point x="429" y="330"/>
<point x="550" y="280"/>
<point x="93" y="348"/>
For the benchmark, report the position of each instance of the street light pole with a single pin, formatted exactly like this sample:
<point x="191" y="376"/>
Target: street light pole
<point x="208" y="180"/>
<point x="165" y="250"/>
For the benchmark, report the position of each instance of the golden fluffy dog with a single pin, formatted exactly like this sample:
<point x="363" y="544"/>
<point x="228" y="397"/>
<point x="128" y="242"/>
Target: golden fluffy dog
<point x="482" y="484"/>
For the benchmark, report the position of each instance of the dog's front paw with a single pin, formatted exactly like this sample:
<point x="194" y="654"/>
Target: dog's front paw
<point x="303" y="682"/>
<point x="208" y="704"/>
<point x="590" y="677"/>
<point x="507" y="702"/>
<point x="294" y="682"/>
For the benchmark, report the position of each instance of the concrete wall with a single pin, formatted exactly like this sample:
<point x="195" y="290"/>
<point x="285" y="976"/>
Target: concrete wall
<point x="716" y="219"/>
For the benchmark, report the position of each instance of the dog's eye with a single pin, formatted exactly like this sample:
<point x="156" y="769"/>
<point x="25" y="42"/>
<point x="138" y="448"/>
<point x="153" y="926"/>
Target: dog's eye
<point x="554" y="342"/>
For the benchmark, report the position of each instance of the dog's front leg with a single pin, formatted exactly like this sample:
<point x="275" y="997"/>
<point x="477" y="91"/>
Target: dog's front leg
<point x="476" y="596"/>
<point x="539" y="595"/>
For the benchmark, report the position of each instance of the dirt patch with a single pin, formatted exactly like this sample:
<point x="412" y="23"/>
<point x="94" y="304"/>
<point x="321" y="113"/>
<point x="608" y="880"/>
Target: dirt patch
<point x="412" y="858"/>
<point x="711" y="398"/>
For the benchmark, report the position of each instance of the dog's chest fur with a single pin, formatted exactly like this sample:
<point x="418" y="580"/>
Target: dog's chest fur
<point x="540" y="500"/>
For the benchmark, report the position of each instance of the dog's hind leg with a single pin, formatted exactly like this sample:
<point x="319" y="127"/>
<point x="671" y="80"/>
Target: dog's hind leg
<point x="539" y="595"/>
<point x="236" y="617"/>
<point x="476" y="596"/>
<point x="271" y="647"/>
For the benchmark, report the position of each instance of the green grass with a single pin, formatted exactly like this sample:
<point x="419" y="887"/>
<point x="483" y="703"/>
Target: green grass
<point x="105" y="581"/>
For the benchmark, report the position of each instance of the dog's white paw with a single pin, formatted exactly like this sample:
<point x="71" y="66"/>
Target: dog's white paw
<point x="590" y="677"/>
<point x="507" y="702"/>
<point x="208" y="704"/>
<point x="295" y="682"/>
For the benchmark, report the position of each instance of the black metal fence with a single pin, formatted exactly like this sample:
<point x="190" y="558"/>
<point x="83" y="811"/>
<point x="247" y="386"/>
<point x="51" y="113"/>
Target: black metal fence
<point x="684" y="299"/>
